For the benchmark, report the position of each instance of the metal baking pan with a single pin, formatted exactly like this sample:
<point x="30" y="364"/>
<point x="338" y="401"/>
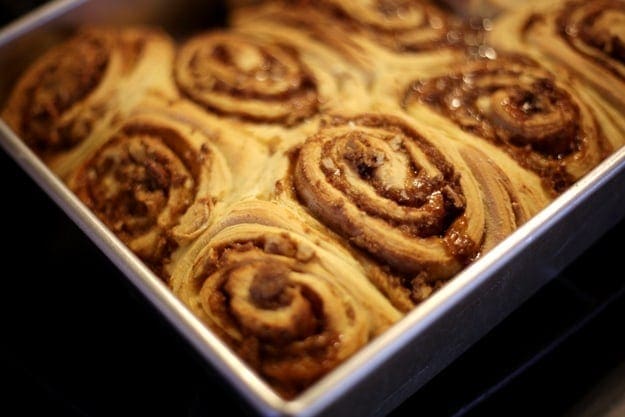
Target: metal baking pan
<point x="396" y="364"/>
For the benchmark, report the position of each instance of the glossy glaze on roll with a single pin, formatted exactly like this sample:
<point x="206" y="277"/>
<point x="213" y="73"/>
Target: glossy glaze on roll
<point x="518" y="105"/>
<point x="415" y="201"/>
<point x="586" y="37"/>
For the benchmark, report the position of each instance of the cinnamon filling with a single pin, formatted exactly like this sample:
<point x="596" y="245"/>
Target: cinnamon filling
<point x="69" y="76"/>
<point x="139" y="187"/>
<point x="400" y="25"/>
<point x="595" y="31"/>
<point x="222" y="68"/>
<point x="268" y="290"/>
<point x="605" y="30"/>
<point x="513" y="103"/>
<point x="375" y="171"/>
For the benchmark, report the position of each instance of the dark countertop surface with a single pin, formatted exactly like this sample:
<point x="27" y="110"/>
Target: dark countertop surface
<point x="79" y="340"/>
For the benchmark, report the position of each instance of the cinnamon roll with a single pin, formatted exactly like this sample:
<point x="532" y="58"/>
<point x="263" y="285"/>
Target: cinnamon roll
<point x="305" y="176"/>
<point x="408" y="26"/>
<point x="587" y="37"/>
<point x="492" y="8"/>
<point x="539" y="119"/>
<point x="155" y="182"/>
<point x="299" y="20"/>
<point x="400" y="26"/>
<point x="411" y="199"/>
<point x="238" y="75"/>
<point x="375" y="36"/>
<point x="341" y="68"/>
<point x="81" y="83"/>
<point x="292" y="309"/>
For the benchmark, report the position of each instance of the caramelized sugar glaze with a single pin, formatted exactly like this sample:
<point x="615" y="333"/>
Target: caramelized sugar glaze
<point x="520" y="106"/>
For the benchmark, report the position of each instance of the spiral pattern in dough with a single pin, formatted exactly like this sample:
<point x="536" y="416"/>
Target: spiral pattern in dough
<point x="391" y="192"/>
<point x="70" y="88"/>
<point x="289" y="308"/>
<point x="401" y="26"/>
<point x="518" y="105"/>
<point x="236" y="74"/>
<point x="585" y="37"/>
<point x="154" y="184"/>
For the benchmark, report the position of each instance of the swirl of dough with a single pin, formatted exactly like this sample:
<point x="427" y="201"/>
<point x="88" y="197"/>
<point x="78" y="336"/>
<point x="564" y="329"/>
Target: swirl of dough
<point x="235" y="74"/>
<point x="515" y="103"/>
<point x="399" y="25"/>
<point x="291" y="309"/>
<point x="392" y="192"/>
<point x="585" y="37"/>
<point x="154" y="183"/>
<point x="68" y="90"/>
<point x="596" y="31"/>
<point x="420" y="204"/>
<point x="602" y="28"/>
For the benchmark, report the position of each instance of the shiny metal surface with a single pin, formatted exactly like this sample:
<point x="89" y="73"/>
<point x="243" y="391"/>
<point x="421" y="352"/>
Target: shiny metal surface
<point x="397" y="363"/>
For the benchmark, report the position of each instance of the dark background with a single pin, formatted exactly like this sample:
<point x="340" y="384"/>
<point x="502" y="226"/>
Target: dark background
<point x="78" y="340"/>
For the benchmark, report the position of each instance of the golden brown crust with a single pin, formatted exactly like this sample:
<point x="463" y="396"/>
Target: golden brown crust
<point x="415" y="201"/>
<point x="518" y="105"/>
<point x="306" y="176"/>
<point x="585" y="37"/>
<point x="75" y="86"/>
<point x="290" y="308"/>
<point x="154" y="182"/>
<point x="235" y="74"/>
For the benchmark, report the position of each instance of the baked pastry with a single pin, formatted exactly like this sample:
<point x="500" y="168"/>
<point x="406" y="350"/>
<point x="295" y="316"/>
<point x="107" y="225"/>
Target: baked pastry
<point x="158" y="177"/>
<point x="252" y="82"/>
<point x="154" y="182"/>
<point x="586" y="37"/>
<point x="375" y="36"/>
<point x="420" y="204"/>
<point x="344" y="83"/>
<point x="291" y="305"/>
<point x="308" y="174"/>
<point x="302" y="19"/>
<point x="232" y="74"/>
<point x="540" y="119"/>
<point x="82" y="84"/>
<point x="407" y="26"/>
<point x="491" y="8"/>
